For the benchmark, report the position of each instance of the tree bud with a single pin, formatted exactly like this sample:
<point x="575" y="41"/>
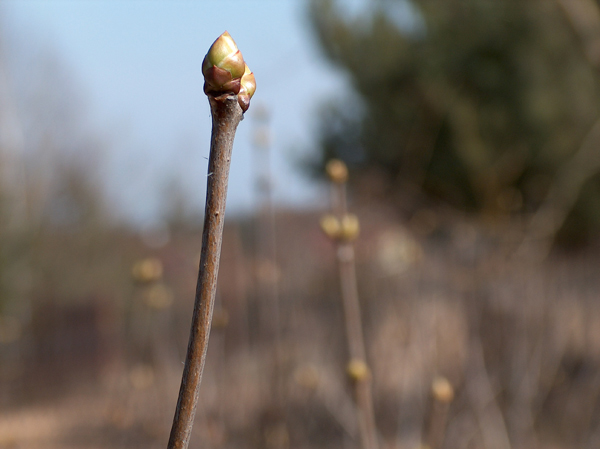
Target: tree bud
<point x="223" y="67"/>
<point x="147" y="270"/>
<point x="350" y="227"/>
<point x="330" y="225"/>
<point x="337" y="171"/>
<point x="358" y="370"/>
<point x="442" y="389"/>
<point x="247" y="88"/>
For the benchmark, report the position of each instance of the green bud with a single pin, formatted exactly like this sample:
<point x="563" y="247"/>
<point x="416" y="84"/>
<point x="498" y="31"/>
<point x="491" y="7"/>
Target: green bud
<point x="223" y="67"/>
<point x="349" y="227"/>
<point x="358" y="370"/>
<point x="247" y="88"/>
<point x="331" y="226"/>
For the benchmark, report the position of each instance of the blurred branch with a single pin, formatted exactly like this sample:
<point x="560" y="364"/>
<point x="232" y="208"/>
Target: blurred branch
<point x="481" y="393"/>
<point x="584" y="16"/>
<point x="343" y="228"/>
<point x="562" y="196"/>
<point x="12" y="170"/>
<point x="362" y="383"/>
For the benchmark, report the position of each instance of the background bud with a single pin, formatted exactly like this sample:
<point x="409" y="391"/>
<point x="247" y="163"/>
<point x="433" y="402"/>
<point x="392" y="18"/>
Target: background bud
<point x="337" y="171"/>
<point x="330" y="226"/>
<point x="350" y="227"/>
<point x="442" y="390"/>
<point x="147" y="270"/>
<point x="358" y="370"/>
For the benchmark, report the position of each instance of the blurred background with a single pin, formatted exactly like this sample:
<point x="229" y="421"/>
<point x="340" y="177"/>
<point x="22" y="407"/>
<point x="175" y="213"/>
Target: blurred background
<point x="471" y="131"/>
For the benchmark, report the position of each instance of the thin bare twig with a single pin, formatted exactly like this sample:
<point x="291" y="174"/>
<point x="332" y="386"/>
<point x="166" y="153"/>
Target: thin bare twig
<point x="354" y="331"/>
<point x="226" y="115"/>
<point x="362" y="386"/>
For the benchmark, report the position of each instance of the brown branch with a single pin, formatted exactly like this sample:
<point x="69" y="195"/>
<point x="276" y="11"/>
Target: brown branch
<point x="226" y="115"/>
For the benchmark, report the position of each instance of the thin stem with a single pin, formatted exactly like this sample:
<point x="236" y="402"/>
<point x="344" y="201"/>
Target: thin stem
<point x="437" y="427"/>
<point x="356" y="345"/>
<point x="354" y="330"/>
<point x="226" y="115"/>
<point x="266" y="238"/>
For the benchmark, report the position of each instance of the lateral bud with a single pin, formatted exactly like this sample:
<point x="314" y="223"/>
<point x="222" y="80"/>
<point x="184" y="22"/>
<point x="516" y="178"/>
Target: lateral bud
<point x="247" y="89"/>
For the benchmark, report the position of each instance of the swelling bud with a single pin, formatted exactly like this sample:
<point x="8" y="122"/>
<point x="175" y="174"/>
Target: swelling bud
<point x="247" y="88"/>
<point x="223" y="67"/>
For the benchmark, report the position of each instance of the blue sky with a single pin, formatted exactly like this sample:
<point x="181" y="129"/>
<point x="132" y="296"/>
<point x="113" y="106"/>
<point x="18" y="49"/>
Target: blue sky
<point x="138" y="64"/>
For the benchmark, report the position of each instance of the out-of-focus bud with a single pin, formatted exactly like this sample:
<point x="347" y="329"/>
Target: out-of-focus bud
<point x="337" y="171"/>
<point x="247" y="89"/>
<point x="159" y="296"/>
<point x="147" y="270"/>
<point x="331" y="226"/>
<point x="442" y="390"/>
<point x="358" y="370"/>
<point x="223" y="67"/>
<point x="350" y="227"/>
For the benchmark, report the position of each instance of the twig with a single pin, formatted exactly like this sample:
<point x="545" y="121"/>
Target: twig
<point x="356" y="345"/>
<point x="225" y="74"/>
<point x="344" y="228"/>
<point x="442" y="394"/>
<point x="226" y="116"/>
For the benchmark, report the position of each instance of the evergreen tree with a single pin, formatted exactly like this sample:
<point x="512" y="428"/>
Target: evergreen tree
<point x="476" y="102"/>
